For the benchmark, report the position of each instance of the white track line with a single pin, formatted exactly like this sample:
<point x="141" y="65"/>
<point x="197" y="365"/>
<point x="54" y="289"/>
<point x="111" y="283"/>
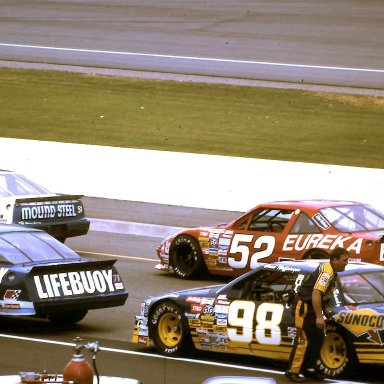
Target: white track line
<point x="190" y="58"/>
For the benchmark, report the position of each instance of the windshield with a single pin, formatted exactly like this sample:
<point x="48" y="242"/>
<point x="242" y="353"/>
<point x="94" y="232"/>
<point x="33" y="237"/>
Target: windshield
<point x="363" y="288"/>
<point x="18" y="185"/>
<point x="354" y="218"/>
<point x="25" y="247"/>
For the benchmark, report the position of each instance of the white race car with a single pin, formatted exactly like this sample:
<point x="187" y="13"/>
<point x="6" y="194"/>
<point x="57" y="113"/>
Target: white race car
<point x="26" y="203"/>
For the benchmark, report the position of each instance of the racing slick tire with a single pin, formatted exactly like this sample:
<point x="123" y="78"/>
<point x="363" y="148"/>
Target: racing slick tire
<point x="186" y="257"/>
<point x="337" y="355"/>
<point x="169" y="330"/>
<point x="67" y="317"/>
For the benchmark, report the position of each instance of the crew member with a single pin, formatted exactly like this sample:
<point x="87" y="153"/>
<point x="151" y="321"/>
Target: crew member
<point x="309" y="308"/>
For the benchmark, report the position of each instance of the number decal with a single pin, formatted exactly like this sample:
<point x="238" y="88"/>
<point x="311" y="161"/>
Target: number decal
<point x="244" y="321"/>
<point x="298" y="282"/>
<point x="268" y="318"/>
<point x="244" y="250"/>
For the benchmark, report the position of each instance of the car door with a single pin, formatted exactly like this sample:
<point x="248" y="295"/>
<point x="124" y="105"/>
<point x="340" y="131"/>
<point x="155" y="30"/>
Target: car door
<point x="258" y="238"/>
<point x="260" y="322"/>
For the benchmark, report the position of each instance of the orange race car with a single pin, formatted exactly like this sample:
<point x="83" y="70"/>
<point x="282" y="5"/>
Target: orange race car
<point x="306" y="229"/>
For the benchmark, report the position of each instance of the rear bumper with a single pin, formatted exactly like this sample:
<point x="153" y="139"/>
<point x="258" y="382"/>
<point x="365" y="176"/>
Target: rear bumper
<point x="63" y="230"/>
<point x="44" y="308"/>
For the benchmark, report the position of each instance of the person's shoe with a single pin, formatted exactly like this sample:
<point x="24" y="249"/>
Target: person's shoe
<point x="312" y="373"/>
<point x="295" y="377"/>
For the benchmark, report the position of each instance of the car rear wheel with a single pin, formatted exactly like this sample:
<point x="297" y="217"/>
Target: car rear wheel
<point x="337" y="355"/>
<point x="169" y="330"/>
<point x="68" y="317"/>
<point x="186" y="258"/>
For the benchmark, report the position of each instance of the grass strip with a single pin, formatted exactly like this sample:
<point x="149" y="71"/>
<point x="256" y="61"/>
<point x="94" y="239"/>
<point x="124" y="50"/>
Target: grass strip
<point x="280" y="124"/>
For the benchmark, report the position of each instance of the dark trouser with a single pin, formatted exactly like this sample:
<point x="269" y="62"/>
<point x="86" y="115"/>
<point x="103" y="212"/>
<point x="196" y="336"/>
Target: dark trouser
<point x="308" y="340"/>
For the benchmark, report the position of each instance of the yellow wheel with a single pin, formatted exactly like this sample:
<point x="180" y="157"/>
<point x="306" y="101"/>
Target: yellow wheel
<point x="334" y="351"/>
<point x="337" y="355"/>
<point x="170" y="330"/>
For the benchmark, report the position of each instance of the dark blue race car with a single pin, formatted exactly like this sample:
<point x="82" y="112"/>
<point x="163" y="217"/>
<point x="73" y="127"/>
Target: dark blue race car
<point x="252" y="316"/>
<point x="42" y="277"/>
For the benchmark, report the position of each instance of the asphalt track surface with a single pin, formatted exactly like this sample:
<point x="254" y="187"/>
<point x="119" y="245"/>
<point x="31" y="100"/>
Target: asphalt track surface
<point x="305" y="42"/>
<point x="331" y="43"/>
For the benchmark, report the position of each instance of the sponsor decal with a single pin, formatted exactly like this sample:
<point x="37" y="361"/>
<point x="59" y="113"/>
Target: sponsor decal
<point x="207" y="300"/>
<point x="195" y="323"/>
<point x="222" y="322"/>
<point x="196" y="308"/>
<point x="208" y="310"/>
<point x="224" y="242"/>
<point x="74" y="283"/>
<point x="302" y="242"/>
<point x="144" y="309"/>
<point x="213" y="242"/>
<point x="142" y="340"/>
<point x="363" y="321"/>
<point x="12" y="294"/>
<point x="47" y="211"/>
<point x="192" y="315"/>
<point x="207" y="318"/>
<point x="324" y="278"/>
<point x="193" y="299"/>
<point x="321" y="221"/>
<point x="221" y="308"/>
<point x="222" y="259"/>
<point x="223" y="302"/>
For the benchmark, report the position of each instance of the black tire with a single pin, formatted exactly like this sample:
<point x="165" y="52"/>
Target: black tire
<point x="61" y="239"/>
<point x="186" y="257"/>
<point x="337" y="355"/>
<point x="67" y="318"/>
<point x="169" y="329"/>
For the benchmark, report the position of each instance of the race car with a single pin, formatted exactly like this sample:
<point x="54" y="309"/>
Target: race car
<point x="306" y="229"/>
<point x="41" y="277"/>
<point x="26" y="203"/>
<point x="251" y="315"/>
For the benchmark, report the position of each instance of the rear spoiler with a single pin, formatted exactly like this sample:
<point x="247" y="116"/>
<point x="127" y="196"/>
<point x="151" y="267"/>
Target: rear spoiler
<point x="48" y="198"/>
<point x="64" y="265"/>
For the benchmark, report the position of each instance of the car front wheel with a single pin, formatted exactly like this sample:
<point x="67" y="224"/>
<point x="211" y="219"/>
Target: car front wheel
<point x="186" y="257"/>
<point x="169" y="330"/>
<point x="337" y="355"/>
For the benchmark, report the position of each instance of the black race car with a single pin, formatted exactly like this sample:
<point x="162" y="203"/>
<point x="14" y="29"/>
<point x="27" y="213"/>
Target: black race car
<point x="24" y="202"/>
<point x="252" y="316"/>
<point x="42" y="277"/>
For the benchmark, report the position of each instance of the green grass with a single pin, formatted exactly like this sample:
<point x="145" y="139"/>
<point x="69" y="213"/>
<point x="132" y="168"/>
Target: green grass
<point x="279" y="124"/>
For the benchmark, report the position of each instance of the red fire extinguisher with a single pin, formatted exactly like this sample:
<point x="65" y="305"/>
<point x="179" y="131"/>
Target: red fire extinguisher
<point x="78" y="369"/>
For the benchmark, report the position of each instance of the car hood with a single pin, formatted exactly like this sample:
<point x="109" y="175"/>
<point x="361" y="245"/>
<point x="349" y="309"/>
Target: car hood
<point x="208" y="291"/>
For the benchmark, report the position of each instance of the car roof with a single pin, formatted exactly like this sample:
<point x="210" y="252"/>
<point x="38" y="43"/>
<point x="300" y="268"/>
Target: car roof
<point x="311" y="265"/>
<point x="6" y="228"/>
<point x="315" y="203"/>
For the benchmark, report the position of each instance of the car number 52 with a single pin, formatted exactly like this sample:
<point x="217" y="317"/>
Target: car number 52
<point x="243" y="249"/>
<point x="268" y="317"/>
